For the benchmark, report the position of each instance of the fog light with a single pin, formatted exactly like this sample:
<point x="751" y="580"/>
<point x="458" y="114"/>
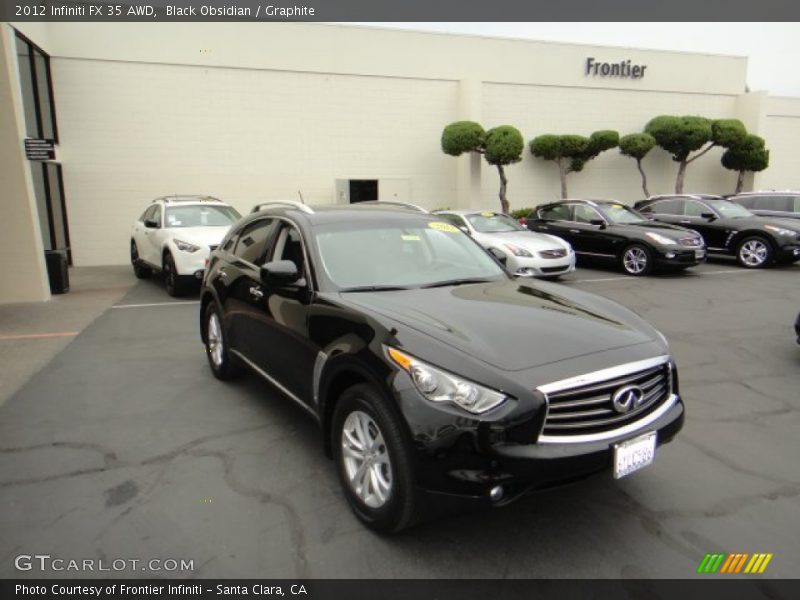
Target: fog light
<point x="670" y="255"/>
<point x="496" y="493"/>
<point x="198" y="274"/>
<point x="525" y="272"/>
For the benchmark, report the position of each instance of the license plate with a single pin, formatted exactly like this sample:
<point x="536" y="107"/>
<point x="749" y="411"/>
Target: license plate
<point x="699" y="253"/>
<point x="632" y="455"/>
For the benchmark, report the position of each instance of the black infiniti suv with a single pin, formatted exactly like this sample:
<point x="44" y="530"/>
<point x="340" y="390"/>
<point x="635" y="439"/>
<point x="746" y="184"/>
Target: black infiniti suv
<point x="729" y="228"/>
<point x="432" y="373"/>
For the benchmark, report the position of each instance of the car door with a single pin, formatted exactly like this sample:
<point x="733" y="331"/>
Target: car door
<point x="139" y="236"/>
<point x="586" y="237"/>
<point x="241" y="278"/>
<point x="276" y="328"/>
<point x="669" y="210"/>
<point x="714" y="231"/>
<point x="554" y="220"/>
<point x="152" y="237"/>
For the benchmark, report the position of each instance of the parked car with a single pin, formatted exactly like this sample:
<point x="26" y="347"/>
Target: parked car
<point x="782" y="205"/>
<point x="729" y="228"/>
<point x="431" y="371"/>
<point x="175" y="235"/>
<point x="525" y="253"/>
<point x="609" y="230"/>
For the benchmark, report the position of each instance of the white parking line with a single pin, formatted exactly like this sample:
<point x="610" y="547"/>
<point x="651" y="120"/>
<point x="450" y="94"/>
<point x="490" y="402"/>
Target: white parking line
<point x="156" y="304"/>
<point x="700" y="273"/>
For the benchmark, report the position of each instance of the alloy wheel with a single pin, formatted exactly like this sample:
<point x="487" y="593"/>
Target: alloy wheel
<point x="216" y="343"/>
<point x="366" y="459"/>
<point x="753" y="253"/>
<point x="635" y="260"/>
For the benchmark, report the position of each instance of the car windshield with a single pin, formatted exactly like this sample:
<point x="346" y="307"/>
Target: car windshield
<point x="729" y="209"/>
<point x="619" y="213"/>
<point x="201" y="216"/>
<point x="489" y="222"/>
<point x="405" y="255"/>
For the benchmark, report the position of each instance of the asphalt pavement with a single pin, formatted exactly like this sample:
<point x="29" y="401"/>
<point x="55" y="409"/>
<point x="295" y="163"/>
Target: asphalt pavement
<point x="125" y="447"/>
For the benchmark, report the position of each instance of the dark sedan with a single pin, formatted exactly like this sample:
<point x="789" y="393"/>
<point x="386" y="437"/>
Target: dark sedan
<point x="606" y="229"/>
<point x="729" y="228"/>
<point x="432" y="373"/>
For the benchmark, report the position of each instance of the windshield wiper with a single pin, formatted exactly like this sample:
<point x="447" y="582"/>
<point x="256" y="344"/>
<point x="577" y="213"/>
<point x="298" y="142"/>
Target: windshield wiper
<point x="454" y="282"/>
<point x="375" y="288"/>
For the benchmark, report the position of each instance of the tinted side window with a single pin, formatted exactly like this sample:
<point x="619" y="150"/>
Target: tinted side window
<point x="782" y="203"/>
<point x="147" y="214"/>
<point x="673" y="206"/>
<point x="796" y="204"/>
<point x="452" y="219"/>
<point x="746" y="201"/>
<point x="253" y="241"/>
<point x="156" y="214"/>
<point x="559" y="212"/>
<point x="695" y="209"/>
<point x="585" y="214"/>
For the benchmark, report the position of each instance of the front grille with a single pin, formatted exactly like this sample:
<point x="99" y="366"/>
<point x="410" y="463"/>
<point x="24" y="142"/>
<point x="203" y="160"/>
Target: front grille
<point x="555" y="253"/>
<point x="553" y="269"/>
<point x="589" y="408"/>
<point x="691" y="242"/>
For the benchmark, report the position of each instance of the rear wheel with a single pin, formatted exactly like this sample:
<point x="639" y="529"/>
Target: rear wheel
<point x="636" y="260"/>
<point x="219" y="358"/>
<point x="374" y="460"/>
<point x="176" y="285"/>
<point x="141" y="270"/>
<point x="754" y="252"/>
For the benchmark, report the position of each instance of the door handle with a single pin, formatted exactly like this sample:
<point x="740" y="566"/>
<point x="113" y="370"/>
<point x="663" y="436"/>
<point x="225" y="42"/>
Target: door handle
<point x="574" y="230"/>
<point x="257" y="293"/>
<point x="686" y="221"/>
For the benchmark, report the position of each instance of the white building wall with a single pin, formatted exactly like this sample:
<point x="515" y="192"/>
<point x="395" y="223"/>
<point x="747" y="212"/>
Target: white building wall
<point x="781" y="130"/>
<point x="133" y="131"/>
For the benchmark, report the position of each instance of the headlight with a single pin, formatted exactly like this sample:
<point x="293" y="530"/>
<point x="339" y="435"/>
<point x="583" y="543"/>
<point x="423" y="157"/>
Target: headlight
<point x="438" y="386"/>
<point x="517" y="251"/>
<point x="661" y="239"/>
<point x="781" y="230"/>
<point x="186" y="246"/>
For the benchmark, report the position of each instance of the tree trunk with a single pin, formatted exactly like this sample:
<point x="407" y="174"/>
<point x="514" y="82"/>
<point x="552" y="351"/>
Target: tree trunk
<point x="681" y="177"/>
<point x="562" y="171"/>
<point x="503" y="184"/>
<point x="644" y="178"/>
<point x="739" y="182"/>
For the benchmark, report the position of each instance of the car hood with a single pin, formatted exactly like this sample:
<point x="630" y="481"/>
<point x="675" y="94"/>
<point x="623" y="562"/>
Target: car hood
<point x="535" y="242"/>
<point x="673" y="232"/>
<point x="201" y="236"/>
<point x="511" y="325"/>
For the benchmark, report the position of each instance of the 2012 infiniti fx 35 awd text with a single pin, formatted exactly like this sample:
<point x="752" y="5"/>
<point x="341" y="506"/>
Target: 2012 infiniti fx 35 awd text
<point x="430" y="370"/>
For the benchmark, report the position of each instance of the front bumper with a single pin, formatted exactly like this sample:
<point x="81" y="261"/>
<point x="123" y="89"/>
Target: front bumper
<point x="191" y="264"/>
<point x="679" y="256"/>
<point x="790" y="251"/>
<point x="540" y="267"/>
<point x="462" y="458"/>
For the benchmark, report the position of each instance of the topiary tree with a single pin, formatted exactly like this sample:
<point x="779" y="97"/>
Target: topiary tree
<point x="682" y="135"/>
<point x="500" y="147"/>
<point x="750" y="154"/>
<point x="572" y="152"/>
<point x="636" y="146"/>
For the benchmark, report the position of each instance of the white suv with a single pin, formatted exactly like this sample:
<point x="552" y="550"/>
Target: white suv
<point x="175" y="235"/>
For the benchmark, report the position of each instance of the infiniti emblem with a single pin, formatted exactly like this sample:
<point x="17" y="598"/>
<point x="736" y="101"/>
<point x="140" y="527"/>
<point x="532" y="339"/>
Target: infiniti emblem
<point x="627" y="398"/>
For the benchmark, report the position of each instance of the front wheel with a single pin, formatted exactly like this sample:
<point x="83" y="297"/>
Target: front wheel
<point x="176" y="285"/>
<point x="219" y="358"/>
<point x="754" y="252"/>
<point x="636" y="260"/>
<point x="374" y="460"/>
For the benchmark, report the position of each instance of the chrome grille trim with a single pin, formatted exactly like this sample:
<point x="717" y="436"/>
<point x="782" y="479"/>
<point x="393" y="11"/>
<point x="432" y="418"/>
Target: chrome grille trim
<point x="555" y="253"/>
<point x="564" y="417"/>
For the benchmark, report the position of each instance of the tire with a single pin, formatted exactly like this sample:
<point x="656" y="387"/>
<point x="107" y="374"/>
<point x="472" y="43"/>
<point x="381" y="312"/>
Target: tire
<point x="386" y="500"/>
<point x="219" y="359"/>
<point x="176" y="285"/>
<point x="754" y="252"/>
<point x="140" y="270"/>
<point x="636" y="260"/>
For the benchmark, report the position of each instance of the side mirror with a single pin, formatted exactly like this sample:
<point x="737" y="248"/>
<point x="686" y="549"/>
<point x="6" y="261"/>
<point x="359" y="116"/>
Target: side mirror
<point x="151" y="223"/>
<point x="280" y="273"/>
<point x="599" y="223"/>
<point x="709" y="216"/>
<point x="498" y="255"/>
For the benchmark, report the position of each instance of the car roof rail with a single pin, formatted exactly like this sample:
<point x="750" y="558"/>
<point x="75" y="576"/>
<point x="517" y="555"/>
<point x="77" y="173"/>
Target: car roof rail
<point x="186" y="198"/>
<point x="392" y="203"/>
<point x="293" y="203"/>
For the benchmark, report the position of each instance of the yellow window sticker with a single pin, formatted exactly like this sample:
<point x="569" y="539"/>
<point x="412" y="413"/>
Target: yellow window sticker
<point x="487" y="213"/>
<point x="439" y="226"/>
<point x="410" y="238"/>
